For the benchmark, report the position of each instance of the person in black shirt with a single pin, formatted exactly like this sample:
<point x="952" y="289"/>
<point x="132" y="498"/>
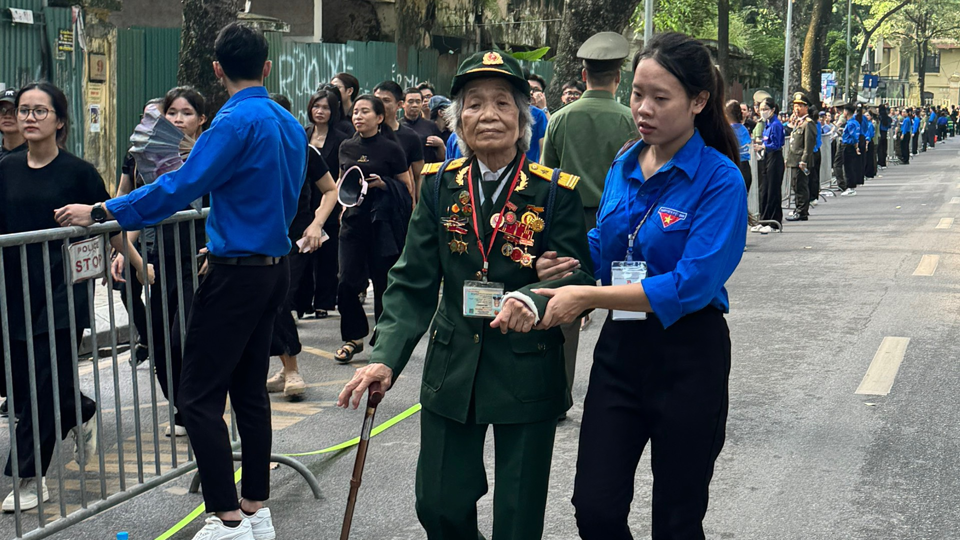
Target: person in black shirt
<point x="433" y="147"/>
<point x="349" y="88"/>
<point x="184" y="107"/>
<point x="306" y="236"/>
<point x="32" y="185"/>
<point x="409" y="140"/>
<point x="372" y="234"/>
<point x="317" y="290"/>
<point x="13" y="140"/>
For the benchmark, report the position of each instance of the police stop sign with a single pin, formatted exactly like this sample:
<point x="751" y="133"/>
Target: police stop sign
<point x="85" y="259"/>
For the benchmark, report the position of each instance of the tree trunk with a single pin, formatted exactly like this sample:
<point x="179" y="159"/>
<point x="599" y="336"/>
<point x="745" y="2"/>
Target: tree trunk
<point x="582" y="19"/>
<point x="922" y="69"/>
<point x="812" y="57"/>
<point x="202" y="20"/>
<point x="723" y="39"/>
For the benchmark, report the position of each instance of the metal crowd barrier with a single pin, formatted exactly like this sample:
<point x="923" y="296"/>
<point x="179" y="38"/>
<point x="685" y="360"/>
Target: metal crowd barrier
<point x="131" y="456"/>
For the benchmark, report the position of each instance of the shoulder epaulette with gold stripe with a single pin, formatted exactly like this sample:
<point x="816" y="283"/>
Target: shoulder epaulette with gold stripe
<point x="567" y="180"/>
<point x="432" y="168"/>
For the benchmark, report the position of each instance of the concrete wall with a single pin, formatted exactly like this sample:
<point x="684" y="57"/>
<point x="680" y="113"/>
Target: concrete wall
<point x="152" y="13"/>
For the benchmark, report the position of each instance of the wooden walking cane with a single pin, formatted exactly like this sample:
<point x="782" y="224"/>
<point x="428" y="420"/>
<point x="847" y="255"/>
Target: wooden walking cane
<point x="373" y="399"/>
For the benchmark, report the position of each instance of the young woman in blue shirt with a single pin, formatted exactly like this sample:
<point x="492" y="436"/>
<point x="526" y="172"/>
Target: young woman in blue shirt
<point x="772" y="163"/>
<point x="660" y="373"/>
<point x="735" y="117"/>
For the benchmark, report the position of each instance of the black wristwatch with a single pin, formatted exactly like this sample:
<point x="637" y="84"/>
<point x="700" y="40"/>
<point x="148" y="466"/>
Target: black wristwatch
<point x="98" y="214"/>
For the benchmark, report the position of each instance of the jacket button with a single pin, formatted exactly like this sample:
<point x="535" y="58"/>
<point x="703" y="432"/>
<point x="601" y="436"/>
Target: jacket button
<point x="434" y="335"/>
<point x="476" y="338"/>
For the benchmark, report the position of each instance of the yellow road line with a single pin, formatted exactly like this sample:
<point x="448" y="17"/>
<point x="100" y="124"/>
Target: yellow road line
<point x="883" y="369"/>
<point x="945" y="223"/>
<point x="318" y="352"/>
<point x="928" y="265"/>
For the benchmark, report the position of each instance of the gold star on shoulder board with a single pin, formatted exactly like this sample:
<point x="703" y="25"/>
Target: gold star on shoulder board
<point x="461" y="176"/>
<point x="523" y="181"/>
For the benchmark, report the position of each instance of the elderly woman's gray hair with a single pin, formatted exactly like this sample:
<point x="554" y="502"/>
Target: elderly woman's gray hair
<point x="452" y="114"/>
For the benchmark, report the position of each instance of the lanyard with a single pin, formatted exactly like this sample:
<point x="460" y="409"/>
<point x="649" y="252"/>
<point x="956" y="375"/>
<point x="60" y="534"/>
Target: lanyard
<point x="632" y="237"/>
<point x="476" y="226"/>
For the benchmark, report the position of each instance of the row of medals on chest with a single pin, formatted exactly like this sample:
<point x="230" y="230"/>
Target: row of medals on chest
<point x="517" y="231"/>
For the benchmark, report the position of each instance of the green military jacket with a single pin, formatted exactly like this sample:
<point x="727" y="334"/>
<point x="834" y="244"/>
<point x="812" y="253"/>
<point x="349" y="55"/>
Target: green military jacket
<point x="512" y="378"/>
<point x="803" y="139"/>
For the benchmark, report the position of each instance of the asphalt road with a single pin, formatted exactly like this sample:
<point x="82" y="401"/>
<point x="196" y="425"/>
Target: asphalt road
<point x="806" y="457"/>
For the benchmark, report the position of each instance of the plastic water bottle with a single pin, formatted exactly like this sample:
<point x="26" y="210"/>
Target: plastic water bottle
<point x="123" y="536"/>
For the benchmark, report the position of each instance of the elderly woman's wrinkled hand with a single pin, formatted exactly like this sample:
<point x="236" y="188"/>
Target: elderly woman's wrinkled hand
<point x="353" y="391"/>
<point x="515" y="316"/>
<point x="551" y="267"/>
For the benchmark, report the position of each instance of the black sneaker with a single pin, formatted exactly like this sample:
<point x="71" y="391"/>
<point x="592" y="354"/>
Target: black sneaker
<point x="140" y="353"/>
<point x="796" y="217"/>
<point x="4" y="410"/>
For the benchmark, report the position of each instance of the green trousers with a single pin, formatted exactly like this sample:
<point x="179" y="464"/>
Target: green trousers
<point x="451" y="478"/>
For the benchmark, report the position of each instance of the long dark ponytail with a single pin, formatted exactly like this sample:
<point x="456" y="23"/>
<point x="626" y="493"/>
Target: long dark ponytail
<point x="689" y="61"/>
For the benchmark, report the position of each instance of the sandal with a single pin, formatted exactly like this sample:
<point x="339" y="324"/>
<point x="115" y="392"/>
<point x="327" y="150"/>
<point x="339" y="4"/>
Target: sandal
<point x="321" y="314"/>
<point x="347" y="351"/>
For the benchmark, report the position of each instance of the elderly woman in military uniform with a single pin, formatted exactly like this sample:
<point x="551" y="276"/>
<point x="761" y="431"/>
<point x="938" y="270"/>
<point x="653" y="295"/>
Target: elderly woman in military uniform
<point x="481" y="222"/>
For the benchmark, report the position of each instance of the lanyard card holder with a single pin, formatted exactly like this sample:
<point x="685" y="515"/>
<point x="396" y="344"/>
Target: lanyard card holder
<point x="482" y="299"/>
<point x="627" y="273"/>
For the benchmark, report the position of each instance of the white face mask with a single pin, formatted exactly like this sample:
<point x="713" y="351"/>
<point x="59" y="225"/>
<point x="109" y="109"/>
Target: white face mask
<point x="766" y="114"/>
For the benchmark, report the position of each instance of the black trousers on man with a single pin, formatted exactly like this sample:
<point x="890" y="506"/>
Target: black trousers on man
<point x="671" y="392"/>
<point x="227" y="349"/>
<point x="852" y="166"/>
<point x="800" y="183"/>
<point x="814" y="176"/>
<point x="882" y="150"/>
<point x="915" y="139"/>
<point x="905" y="148"/>
<point x="43" y="358"/>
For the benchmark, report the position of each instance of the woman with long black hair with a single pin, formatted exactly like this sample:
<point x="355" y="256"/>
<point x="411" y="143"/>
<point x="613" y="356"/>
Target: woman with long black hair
<point x="771" y="183"/>
<point x="670" y="232"/>
<point x="371" y="234"/>
<point x="317" y="290"/>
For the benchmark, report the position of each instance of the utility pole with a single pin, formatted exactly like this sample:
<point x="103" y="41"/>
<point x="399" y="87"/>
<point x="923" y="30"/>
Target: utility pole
<point x="647" y="21"/>
<point x="786" y="58"/>
<point x="846" y="77"/>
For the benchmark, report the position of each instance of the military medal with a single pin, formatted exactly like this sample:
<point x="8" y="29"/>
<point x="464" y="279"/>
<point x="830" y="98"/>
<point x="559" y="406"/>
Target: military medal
<point x="463" y="197"/>
<point x="495" y="221"/>
<point x="510" y="218"/>
<point x="526" y="260"/>
<point x="506" y="249"/>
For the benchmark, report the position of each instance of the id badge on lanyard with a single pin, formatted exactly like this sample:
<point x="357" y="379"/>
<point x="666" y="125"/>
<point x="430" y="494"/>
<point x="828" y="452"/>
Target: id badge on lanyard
<point x="629" y="271"/>
<point x="482" y="299"/>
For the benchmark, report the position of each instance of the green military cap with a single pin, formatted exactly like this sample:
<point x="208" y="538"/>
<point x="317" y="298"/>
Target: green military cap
<point x="761" y="95"/>
<point x="604" y="46"/>
<point x="490" y="64"/>
<point x="801" y="99"/>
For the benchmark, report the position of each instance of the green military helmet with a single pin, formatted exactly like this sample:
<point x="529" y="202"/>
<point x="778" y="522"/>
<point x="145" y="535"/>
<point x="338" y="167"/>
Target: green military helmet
<point x="490" y="64"/>
<point x="604" y="46"/>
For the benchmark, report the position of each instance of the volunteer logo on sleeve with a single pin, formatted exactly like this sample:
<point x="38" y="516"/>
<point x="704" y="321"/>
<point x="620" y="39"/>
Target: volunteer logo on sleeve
<point x="669" y="216"/>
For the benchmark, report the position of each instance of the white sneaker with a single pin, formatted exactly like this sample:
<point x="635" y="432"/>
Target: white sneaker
<point x="28" y="495"/>
<point x="179" y="430"/>
<point x="277" y="382"/>
<point x="261" y="523"/>
<point x="849" y="192"/>
<point x="756" y="228"/>
<point x="766" y="229"/>
<point x="216" y="530"/>
<point x="814" y="203"/>
<point x="86" y="434"/>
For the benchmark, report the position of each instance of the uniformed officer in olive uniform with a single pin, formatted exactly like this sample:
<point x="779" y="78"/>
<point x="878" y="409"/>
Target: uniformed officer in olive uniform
<point x="584" y="137"/>
<point x="480" y="224"/>
<point x="803" y="139"/>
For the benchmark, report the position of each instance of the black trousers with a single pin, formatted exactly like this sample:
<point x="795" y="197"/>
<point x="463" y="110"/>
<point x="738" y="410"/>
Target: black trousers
<point x="882" y="150"/>
<point x="838" y="165"/>
<point x="801" y="187"/>
<point x="905" y="148"/>
<point x="360" y="260"/>
<point x="747" y="175"/>
<point x="851" y="164"/>
<point x="672" y="392"/>
<point x="286" y="339"/>
<point x="916" y="141"/>
<point x="870" y="160"/>
<point x="317" y="288"/>
<point x="139" y="309"/>
<point x="228" y="350"/>
<point x="43" y="358"/>
<point x="167" y="285"/>
<point x="770" y="186"/>
<point x="814" y="176"/>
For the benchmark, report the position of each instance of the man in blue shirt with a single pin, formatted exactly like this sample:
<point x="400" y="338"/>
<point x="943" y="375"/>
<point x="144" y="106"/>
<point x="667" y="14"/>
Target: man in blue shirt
<point x="852" y="164"/>
<point x="252" y="162"/>
<point x="915" y="129"/>
<point x="906" y="125"/>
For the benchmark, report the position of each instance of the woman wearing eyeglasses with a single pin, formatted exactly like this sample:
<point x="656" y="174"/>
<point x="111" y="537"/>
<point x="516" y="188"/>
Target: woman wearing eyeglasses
<point x="372" y="233"/>
<point x="33" y="184"/>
